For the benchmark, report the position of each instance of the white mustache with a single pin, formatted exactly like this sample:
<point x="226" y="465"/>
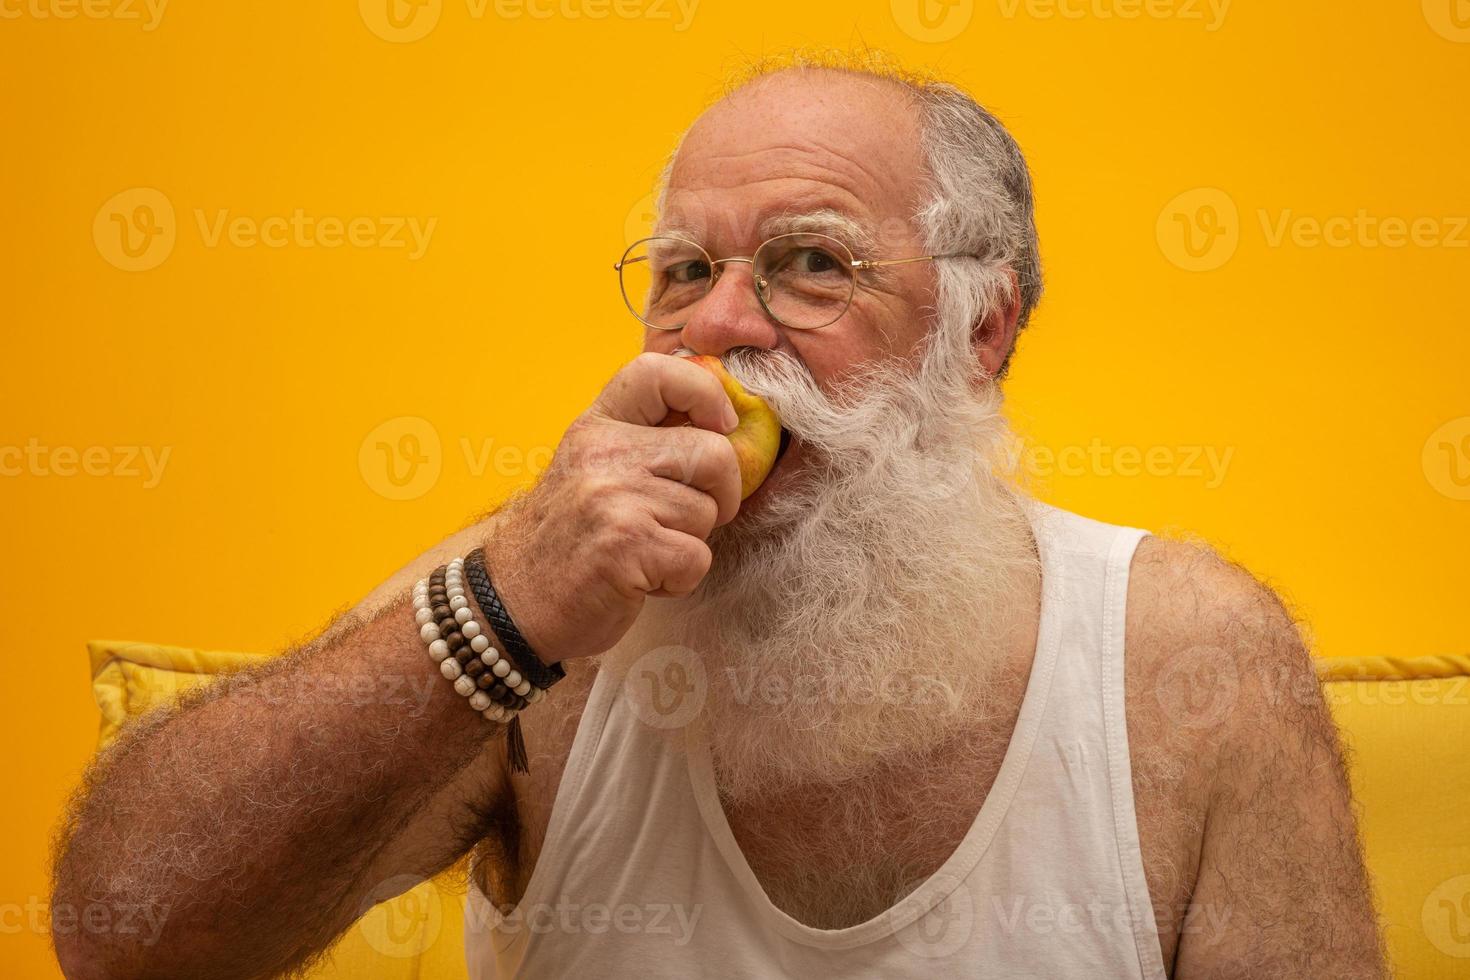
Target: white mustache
<point x="834" y="421"/>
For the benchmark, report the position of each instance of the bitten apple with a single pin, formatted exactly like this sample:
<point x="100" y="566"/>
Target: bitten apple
<point x="757" y="439"/>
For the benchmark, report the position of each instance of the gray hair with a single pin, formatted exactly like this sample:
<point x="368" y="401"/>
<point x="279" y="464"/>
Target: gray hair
<point x="979" y="200"/>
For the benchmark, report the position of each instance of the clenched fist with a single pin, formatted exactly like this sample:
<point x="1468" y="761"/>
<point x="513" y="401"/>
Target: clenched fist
<point x="622" y="512"/>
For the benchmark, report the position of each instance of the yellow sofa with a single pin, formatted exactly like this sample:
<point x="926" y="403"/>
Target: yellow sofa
<point x="1406" y="722"/>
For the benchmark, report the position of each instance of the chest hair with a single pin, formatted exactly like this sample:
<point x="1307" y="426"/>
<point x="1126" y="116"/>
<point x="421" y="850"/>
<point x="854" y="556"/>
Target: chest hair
<point x="835" y="856"/>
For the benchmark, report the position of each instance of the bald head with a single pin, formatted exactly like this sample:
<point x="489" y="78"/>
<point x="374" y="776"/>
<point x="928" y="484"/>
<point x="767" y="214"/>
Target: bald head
<point x="802" y="140"/>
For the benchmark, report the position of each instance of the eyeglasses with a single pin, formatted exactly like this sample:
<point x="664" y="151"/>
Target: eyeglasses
<point x="803" y="280"/>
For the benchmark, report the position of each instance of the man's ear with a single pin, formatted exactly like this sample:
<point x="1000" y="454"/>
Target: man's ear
<point x="994" y="336"/>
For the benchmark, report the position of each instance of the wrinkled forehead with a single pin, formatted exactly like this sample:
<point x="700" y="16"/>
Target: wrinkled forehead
<point x="803" y="150"/>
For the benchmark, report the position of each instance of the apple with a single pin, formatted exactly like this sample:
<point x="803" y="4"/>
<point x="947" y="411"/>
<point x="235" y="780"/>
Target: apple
<point x="757" y="439"/>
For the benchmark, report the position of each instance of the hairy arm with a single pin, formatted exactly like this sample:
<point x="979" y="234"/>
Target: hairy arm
<point x="254" y="822"/>
<point x="258" y="819"/>
<point x="1281" y="889"/>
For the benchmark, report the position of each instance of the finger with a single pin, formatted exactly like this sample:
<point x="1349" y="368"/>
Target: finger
<point x="651" y="386"/>
<point x="678" y="565"/>
<point x="696" y="458"/>
<point x="681" y="508"/>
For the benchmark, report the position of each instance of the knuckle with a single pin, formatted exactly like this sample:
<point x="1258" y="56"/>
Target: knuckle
<point x="621" y="559"/>
<point x="718" y="453"/>
<point x="692" y="561"/>
<point x="646" y="364"/>
<point x="630" y="531"/>
<point x="706" y="512"/>
<point x="701" y="557"/>
<point x="596" y="491"/>
<point x="620" y="524"/>
<point x="669" y="455"/>
<point x="582" y="440"/>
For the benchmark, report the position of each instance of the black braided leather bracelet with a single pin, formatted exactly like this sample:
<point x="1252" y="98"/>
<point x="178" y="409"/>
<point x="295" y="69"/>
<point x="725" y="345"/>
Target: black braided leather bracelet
<point x="515" y="644"/>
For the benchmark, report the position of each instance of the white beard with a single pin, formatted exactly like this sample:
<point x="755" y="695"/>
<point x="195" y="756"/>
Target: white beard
<point x="866" y="609"/>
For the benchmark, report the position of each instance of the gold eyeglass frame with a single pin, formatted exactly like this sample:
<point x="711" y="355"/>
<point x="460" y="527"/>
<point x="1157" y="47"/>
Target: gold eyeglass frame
<point x="762" y="286"/>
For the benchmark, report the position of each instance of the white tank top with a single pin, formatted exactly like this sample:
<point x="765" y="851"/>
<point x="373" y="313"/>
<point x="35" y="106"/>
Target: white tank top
<point x="640" y="875"/>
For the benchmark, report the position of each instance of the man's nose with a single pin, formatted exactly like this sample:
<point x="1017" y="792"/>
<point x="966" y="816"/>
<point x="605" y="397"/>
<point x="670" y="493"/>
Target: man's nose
<point x="730" y="315"/>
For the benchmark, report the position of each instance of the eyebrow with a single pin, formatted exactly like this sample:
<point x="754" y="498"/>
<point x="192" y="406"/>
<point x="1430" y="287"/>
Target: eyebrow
<point x="823" y="221"/>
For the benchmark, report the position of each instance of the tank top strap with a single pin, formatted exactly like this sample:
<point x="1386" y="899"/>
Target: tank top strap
<point x="1088" y="563"/>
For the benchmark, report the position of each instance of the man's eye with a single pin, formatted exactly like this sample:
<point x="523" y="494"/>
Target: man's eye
<point x="812" y="260"/>
<point x="691" y="271"/>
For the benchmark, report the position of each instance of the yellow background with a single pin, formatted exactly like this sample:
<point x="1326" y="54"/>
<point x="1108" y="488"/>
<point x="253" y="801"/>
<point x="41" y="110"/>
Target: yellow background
<point x="1325" y="372"/>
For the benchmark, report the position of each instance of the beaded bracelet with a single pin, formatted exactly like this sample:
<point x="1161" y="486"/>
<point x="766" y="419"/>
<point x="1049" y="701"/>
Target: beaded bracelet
<point x="456" y="641"/>
<point x="442" y="598"/>
<point x="459" y="644"/>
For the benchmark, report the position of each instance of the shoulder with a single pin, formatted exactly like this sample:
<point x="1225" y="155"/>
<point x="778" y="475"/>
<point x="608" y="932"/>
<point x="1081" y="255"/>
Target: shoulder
<point x="1185" y="587"/>
<point x="1239" y="775"/>
<point x="1214" y="654"/>
<point x="1186" y="601"/>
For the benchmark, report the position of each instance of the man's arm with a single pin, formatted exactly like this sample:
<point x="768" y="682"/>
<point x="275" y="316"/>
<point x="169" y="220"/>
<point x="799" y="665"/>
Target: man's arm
<point x="1281" y="889"/>
<point x="255" y="821"/>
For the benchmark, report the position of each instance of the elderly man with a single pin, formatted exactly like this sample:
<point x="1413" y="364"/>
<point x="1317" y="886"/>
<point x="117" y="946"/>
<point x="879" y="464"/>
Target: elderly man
<point x="887" y="717"/>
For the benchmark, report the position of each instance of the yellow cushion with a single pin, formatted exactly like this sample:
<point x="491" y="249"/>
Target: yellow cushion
<point x="1406" y="723"/>
<point x="417" y="936"/>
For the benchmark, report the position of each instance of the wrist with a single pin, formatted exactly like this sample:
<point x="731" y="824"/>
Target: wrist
<point x="520" y="650"/>
<point x="520" y="596"/>
<point x="497" y="683"/>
